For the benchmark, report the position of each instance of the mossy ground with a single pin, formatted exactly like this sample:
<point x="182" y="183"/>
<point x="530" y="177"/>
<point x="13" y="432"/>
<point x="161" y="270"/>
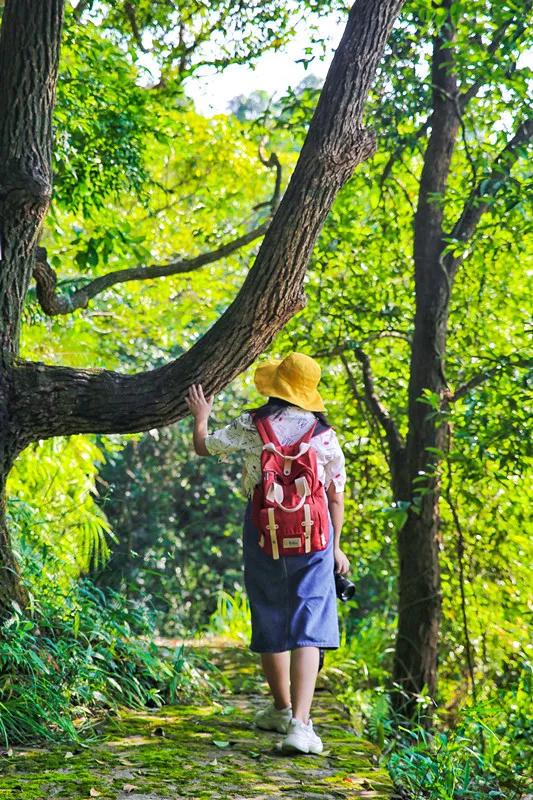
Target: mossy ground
<point x="202" y="751"/>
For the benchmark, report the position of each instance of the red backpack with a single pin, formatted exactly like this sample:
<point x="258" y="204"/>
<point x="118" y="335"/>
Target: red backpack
<point x="289" y="507"/>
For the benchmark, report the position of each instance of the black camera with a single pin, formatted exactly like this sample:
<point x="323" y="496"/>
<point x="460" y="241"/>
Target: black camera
<point x="345" y="589"/>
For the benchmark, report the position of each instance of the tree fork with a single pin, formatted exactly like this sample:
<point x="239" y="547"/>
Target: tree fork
<point x="60" y="400"/>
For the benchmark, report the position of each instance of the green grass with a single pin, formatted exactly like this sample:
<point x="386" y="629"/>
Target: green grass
<point x="232" y="617"/>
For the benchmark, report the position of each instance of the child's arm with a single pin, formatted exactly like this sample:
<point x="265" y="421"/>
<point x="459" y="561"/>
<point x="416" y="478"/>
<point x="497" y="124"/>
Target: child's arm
<point x="336" y="509"/>
<point x="200" y="408"/>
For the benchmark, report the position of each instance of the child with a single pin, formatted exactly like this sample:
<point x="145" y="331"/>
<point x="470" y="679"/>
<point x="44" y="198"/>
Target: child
<point x="292" y="598"/>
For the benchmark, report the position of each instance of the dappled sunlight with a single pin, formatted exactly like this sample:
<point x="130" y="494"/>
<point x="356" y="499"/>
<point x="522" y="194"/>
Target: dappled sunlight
<point x="341" y="251"/>
<point x="207" y="751"/>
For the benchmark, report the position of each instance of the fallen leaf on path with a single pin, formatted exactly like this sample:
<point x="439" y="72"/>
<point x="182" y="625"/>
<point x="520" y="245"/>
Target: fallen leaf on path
<point x="214" y="762"/>
<point x="94" y="792"/>
<point x="69" y="754"/>
<point x="128" y="787"/>
<point x="361" y="781"/>
<point x="220" y="743"/>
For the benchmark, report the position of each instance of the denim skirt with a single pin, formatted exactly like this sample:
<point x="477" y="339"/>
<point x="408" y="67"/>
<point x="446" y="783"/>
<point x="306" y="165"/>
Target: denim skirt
<point x="292" y="599"/>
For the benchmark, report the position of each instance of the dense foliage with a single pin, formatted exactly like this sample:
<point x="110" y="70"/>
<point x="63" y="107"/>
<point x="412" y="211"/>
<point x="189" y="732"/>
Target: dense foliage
<point x="140" y="177"/>
<point x="78" y="653"/>
<point x="177" y="525"/>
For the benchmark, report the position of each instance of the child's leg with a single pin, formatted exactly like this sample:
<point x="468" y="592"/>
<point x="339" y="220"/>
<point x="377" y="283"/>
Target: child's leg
<point x="303" y="672"/>
<point x="276" y="667"/>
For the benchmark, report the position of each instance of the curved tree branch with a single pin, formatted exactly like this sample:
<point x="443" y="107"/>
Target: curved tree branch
<point x="394" y="448"/>
<point x="367" y="412"/>
<point x="46" y="279"/>
<point x="129" y="11"/>
<point x="53" y="304"/>
<point x="480" y="199"/>
<point x="377" y="408"/>
<point x="55" y="400"/>
<point x="477" y="380"/>
<point x="499" y="37"/>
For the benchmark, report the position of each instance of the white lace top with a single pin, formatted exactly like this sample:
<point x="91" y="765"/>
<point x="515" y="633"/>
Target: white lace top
<point x="289" y="424"/>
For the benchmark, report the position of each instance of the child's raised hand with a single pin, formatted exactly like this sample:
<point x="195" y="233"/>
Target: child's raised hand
<point x="199" y="407"/>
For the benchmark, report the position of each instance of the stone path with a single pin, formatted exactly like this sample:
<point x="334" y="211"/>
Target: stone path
<point x="202" y="752"/>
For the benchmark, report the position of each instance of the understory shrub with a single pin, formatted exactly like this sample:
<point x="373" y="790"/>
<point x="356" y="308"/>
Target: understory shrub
<point x="74" y="655"/>
<point x="485" y="755"/>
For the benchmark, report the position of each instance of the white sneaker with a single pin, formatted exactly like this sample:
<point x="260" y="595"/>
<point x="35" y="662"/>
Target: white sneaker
<point x="273" y="719"/>
<point x="301" y="738"/>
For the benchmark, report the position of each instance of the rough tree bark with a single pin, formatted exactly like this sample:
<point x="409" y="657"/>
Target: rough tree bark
<point x="414" y="462"/>
<point x="40" y="401"/>
<point x="419" y="605"/>
<point x="415" y="660"/>
<point x="29" y="54"/>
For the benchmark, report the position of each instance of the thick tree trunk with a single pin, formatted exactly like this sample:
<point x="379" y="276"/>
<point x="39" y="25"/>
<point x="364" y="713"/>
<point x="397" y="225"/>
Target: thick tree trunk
<point x="29" y="53"/>
<point x="415" y="662"/>
<point x="42" y="401"/>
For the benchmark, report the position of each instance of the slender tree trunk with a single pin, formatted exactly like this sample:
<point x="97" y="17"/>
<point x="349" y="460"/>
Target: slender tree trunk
<point x="414" y="463"/>
<point x="41" y="401"/>
<point x="415" y="662"/>
<point x="419" y="606"/>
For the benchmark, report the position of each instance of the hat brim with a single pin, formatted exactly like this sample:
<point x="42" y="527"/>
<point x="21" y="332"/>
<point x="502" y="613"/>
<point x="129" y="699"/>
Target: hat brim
<point x="268" y="383"/>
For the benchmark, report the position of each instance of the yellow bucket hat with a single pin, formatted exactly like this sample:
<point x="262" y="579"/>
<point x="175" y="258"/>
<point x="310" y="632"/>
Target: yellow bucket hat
<point x="294" y="379"/>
